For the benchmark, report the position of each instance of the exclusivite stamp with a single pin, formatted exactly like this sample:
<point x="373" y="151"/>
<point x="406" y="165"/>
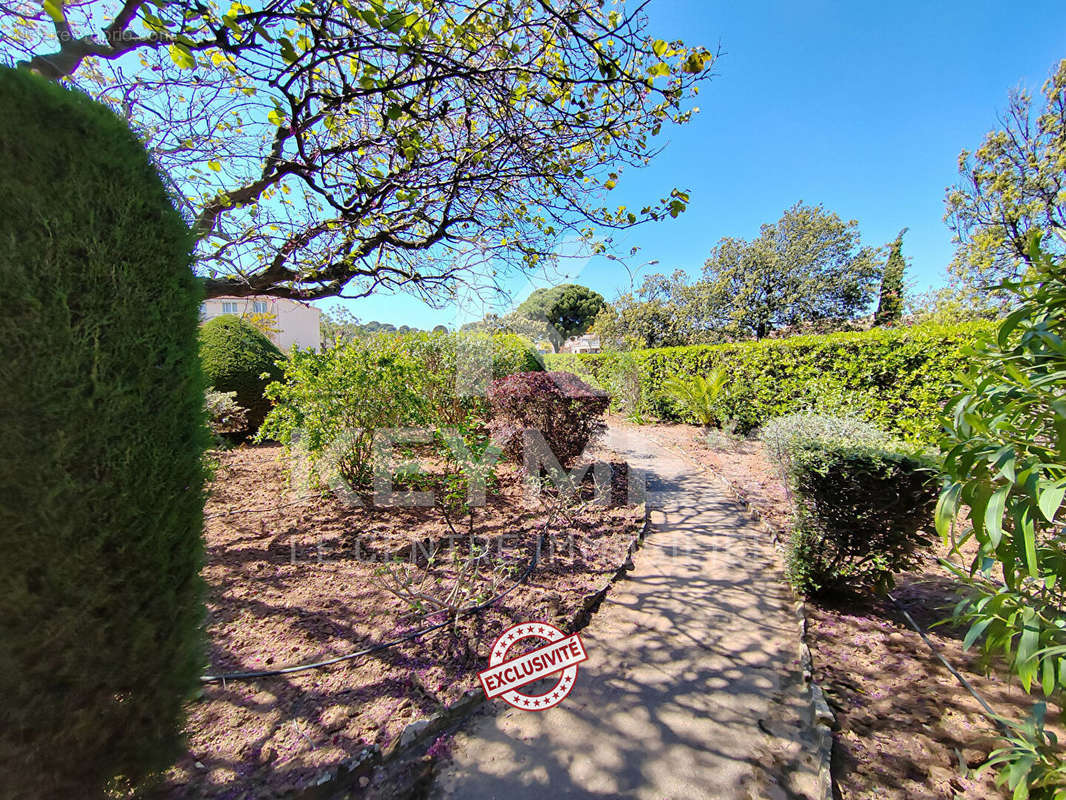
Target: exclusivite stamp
<point x="504" y="677"/>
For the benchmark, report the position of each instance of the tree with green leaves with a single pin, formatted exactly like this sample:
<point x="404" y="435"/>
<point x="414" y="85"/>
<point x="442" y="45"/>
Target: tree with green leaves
<point x="1013" y="185"/>
<point x="337" y="148"/>
<point x="631" y="323"/>
<point x="1005" y="464"/>
<point x="568" y="310"/>
<point x="809" y="266"/>
<point x="890" y="306"/>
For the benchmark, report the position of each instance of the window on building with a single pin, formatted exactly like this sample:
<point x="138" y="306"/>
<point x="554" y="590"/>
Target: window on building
<point x="229" y="308"/>
<point x="259" y="307"/>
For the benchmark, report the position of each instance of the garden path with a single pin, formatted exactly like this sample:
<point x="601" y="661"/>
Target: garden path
<point x="692" y="688"/>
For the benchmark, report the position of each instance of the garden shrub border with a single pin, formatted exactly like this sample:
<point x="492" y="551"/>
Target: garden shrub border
<point x="896" y="378"/>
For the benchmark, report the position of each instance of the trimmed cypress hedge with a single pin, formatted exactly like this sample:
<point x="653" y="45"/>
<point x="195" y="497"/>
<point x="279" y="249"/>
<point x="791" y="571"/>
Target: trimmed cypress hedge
<point x="235" y="356"/>
<point x="101" y="476"/>
<point x="897" y="378"/>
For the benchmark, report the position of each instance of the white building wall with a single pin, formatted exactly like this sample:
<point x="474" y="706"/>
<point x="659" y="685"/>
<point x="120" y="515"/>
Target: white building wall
<point x="297" y="323"/>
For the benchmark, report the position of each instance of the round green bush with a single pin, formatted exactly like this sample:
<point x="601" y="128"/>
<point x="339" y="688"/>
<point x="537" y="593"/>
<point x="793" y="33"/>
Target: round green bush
<point x="101" y="476"/>
<point x="235" y="355"/>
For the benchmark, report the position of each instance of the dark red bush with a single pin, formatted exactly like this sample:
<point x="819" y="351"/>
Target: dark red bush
<point x="565" y="409"/>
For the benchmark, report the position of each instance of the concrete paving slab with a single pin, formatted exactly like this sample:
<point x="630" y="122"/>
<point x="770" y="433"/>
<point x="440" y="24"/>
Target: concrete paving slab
<point x="692" y="688"/>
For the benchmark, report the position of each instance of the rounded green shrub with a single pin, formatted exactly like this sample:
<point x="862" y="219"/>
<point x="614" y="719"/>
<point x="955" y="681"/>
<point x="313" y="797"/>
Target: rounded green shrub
<point x="235" y="356"/>
<point x="101" y="476"/>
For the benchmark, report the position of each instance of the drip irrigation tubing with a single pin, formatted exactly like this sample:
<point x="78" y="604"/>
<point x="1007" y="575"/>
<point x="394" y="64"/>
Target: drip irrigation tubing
<point x="992" y="715"/>
<point x="407" y="637"/>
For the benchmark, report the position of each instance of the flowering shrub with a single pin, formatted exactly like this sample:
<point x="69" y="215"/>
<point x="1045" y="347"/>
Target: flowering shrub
<point x="562" y="407"/>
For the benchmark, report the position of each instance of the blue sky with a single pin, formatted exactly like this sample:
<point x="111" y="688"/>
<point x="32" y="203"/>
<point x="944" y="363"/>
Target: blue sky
<point x="860" y="106"/>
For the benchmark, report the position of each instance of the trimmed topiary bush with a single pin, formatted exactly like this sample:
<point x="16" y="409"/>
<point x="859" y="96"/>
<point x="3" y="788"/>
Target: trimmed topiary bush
<point x="235" y="356"/>
<point x="565" y="409"/>
<point x="860" y="503"/>
<point x="101" y="476"/>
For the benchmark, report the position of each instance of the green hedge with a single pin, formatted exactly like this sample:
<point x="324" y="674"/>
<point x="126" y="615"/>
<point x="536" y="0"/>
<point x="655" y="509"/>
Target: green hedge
<point x="897" y="378"/>
<point x="101" y="480"/>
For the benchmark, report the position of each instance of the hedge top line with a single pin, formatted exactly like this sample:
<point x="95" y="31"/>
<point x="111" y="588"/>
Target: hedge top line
<point x="810" y="340"/>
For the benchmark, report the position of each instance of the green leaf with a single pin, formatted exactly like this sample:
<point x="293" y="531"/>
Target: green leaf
<point x="946" y="507"/>
<point x="994" y="515"/>
<point x="1026" y="530"/>
<point x="394" y="112"/>
<point x="1047" y="676"/>
<point x="695" y="63"/>
<point x="1051" y="498"/>
<point x="54" y="8"/>
<point x="975" y="632"/>
<point x="214" y="165"/>
<point x="276" y="117"/>
<point x="288" y="51"/>
<point x="659" y="47"/>
<point x="182" y="56"/>
<point x="1008" y="325"/>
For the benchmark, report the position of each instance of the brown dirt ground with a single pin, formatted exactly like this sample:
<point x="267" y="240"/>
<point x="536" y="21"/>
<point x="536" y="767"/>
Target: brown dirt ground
<point x="906" y="728"/>
<point x="291" y="579"/>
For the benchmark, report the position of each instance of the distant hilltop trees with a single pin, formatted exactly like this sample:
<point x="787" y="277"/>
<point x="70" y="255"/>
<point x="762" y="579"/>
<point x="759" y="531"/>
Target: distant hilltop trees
<point x="340" y="325"/>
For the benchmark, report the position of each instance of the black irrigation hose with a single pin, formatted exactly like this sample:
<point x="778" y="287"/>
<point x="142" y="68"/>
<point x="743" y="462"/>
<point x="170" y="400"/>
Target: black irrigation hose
<point x="958" y="675"/>
<point x="466" y="612"/>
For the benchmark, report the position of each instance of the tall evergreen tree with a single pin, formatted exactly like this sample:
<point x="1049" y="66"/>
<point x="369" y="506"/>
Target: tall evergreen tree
<point x="890" y="306"/>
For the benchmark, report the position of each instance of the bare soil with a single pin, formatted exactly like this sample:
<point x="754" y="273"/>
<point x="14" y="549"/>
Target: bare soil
<point x="294" y="578"/>
<point x="906" y="727"/>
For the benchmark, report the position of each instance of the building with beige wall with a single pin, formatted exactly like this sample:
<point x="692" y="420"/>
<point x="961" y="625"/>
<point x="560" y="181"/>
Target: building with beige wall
<point x="296" y="323"/>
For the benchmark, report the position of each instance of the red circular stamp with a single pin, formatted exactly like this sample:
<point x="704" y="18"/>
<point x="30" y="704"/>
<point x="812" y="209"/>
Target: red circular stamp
<point x="504" y="676"/>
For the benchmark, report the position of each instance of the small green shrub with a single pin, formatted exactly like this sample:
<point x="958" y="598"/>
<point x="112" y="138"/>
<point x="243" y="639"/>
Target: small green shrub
<point x="224" y="415"/>
<point x="330" y="404"/>
<point x="698" y="396"/>
<point x="622" y="382"/>
<point x="235" y="356"/>
<point x="565" y="409"/>
<point x="859" y="501"/>
<point x="101" y="472"/>
<point x="897" y="378"/>
<point x="859" y="511"/>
